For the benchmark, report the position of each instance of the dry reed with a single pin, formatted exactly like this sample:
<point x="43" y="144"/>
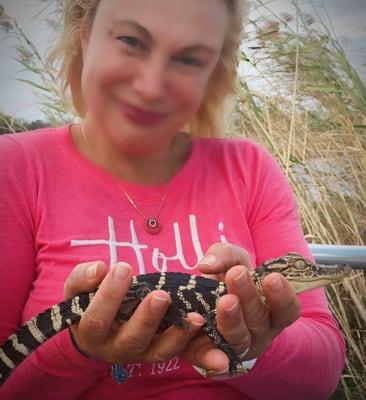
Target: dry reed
<point x="314" y="123"/>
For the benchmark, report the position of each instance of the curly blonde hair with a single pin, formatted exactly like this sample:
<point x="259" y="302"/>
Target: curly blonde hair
<point x="66" y="58"/>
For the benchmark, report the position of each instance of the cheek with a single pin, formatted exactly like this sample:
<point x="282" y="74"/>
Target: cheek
<point x="103" y="72"/>
<point x="190" y="93"/>
<point x="115" y="74"/>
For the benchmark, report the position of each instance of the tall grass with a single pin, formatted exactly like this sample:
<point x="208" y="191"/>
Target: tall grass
<point x="45" y="86"/>
<point x="313" y="120"/>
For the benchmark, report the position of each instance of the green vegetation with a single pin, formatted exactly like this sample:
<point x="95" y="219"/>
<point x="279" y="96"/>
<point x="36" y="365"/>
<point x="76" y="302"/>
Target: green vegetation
<point x="313" y="121"/>
<point x="10" y="125"/>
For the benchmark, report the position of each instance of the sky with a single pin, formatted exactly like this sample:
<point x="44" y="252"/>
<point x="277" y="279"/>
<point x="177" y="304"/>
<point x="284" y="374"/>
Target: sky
<point x="348" y="19"/>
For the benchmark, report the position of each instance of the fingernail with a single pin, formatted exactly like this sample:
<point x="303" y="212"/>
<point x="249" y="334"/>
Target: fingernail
<point x="91" y="271"/>
<point x="195" y="323"/>
<point x="276" y="284"/>
<point x="158" y="303"/>
<point x="209" y="260"/>
<point x="232" y="310"/>
<point x="121" y="271"/>
<point x="242" y="279"/>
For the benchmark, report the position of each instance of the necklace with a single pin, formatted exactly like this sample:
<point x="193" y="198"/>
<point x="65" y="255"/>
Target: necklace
<point x="151" y="224"/>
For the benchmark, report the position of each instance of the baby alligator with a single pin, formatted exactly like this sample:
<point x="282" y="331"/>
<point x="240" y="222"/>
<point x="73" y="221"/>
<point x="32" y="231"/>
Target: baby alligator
<point x="188" y="293"/>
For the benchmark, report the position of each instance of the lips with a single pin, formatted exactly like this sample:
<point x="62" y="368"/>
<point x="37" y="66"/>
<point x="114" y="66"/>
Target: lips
<point x="140" y="116"/>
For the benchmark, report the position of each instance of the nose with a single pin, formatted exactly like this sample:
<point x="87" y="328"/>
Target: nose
<point x="150" y="79"/>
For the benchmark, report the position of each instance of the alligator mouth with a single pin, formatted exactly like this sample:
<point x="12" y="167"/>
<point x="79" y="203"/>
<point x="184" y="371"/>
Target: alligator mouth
<point x="332" y="270"/>
<point x="319" y="276"/>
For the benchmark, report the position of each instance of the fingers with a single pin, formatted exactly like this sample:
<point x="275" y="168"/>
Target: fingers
<point x="261" y="320"/>
<point x="255" y="311"/>
<point x="173" y="341"/>
<point x="84" y="277"/>
<point x="101" y="312"/>
<point x="202" y="353"/>
<point x="282" y="300"/>
<point x="243" y="318"/>
<point x="100" y="335"/>
<point x="137" y="340"/>
<point x="231" y="323"/>
<point x="220" y="257"/>
<point x="138" y="332"/>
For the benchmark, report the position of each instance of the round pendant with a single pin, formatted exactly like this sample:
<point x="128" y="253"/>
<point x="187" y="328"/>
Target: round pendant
<point x="152" y="225"/>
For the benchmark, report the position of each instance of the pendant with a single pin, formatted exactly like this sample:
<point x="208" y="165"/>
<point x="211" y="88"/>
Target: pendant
<point x="152" y="225"/>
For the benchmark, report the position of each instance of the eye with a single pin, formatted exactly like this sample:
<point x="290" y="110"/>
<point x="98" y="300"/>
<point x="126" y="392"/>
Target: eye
<point x="131" y="41"/>
<point x="300" y="264"/>
<point x="190" y="61"/>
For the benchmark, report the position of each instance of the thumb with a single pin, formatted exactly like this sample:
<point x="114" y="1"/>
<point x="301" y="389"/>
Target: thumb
<point x="85" y="277"/>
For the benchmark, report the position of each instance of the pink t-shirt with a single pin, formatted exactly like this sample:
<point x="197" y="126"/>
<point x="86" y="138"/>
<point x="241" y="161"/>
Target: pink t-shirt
<point x="58" y="209"/>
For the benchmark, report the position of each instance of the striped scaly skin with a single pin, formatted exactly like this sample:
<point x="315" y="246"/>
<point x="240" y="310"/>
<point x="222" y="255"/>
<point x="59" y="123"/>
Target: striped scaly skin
<point x="301" y="273"/>
<point x="188" y="293"/>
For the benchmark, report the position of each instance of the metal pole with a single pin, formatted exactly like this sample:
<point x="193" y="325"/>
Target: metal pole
<point x="354" y="256"/>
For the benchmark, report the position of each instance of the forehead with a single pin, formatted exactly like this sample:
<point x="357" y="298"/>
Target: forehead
<point x="178" y="20"/>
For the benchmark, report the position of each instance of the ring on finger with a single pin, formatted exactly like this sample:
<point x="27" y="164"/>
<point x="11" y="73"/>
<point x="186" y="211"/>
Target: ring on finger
<point x="242" y="369"/>
<point x="242" y="354"/>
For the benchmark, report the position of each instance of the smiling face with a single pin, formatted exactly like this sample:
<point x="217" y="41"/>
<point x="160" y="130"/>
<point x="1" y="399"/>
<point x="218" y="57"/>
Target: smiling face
<point x="147" y="65"/>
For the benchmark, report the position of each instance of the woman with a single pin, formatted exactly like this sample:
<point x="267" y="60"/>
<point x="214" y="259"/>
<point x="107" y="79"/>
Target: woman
<point x="136" y="186"/>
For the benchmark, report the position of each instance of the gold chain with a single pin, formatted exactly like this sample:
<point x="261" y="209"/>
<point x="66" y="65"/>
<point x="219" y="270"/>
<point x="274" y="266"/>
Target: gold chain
<point x="129" y="198"/>
<point x="151" y="224"/>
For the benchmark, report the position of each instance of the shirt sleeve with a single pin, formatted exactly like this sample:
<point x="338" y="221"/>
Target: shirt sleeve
<point x="306" y="360"/>
<point x="17" y="207"/>
<point x="55" y="367"/>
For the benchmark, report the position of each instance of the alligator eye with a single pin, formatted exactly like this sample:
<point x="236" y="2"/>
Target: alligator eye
<point x="300" y="264"/>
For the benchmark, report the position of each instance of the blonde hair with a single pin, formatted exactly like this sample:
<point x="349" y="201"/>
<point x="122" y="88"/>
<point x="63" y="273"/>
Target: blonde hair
<point x="66" y="58"/>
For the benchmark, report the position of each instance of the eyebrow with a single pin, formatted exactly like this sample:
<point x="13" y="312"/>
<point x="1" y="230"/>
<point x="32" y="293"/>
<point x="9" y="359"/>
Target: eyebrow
<point x="143" y="31"/>
<point x="135" y="25"/>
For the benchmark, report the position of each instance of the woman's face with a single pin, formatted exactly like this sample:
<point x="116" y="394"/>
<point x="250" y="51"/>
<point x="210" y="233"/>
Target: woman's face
<point x="147" y="64"/>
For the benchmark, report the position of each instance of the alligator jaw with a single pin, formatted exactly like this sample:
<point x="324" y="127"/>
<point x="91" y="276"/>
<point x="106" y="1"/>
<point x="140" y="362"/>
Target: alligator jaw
<point x="319" y="276"/>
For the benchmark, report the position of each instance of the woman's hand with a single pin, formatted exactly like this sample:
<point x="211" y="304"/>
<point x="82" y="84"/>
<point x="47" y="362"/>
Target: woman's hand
<point x="103" y="338"/>
<point x="243" y="318"/>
